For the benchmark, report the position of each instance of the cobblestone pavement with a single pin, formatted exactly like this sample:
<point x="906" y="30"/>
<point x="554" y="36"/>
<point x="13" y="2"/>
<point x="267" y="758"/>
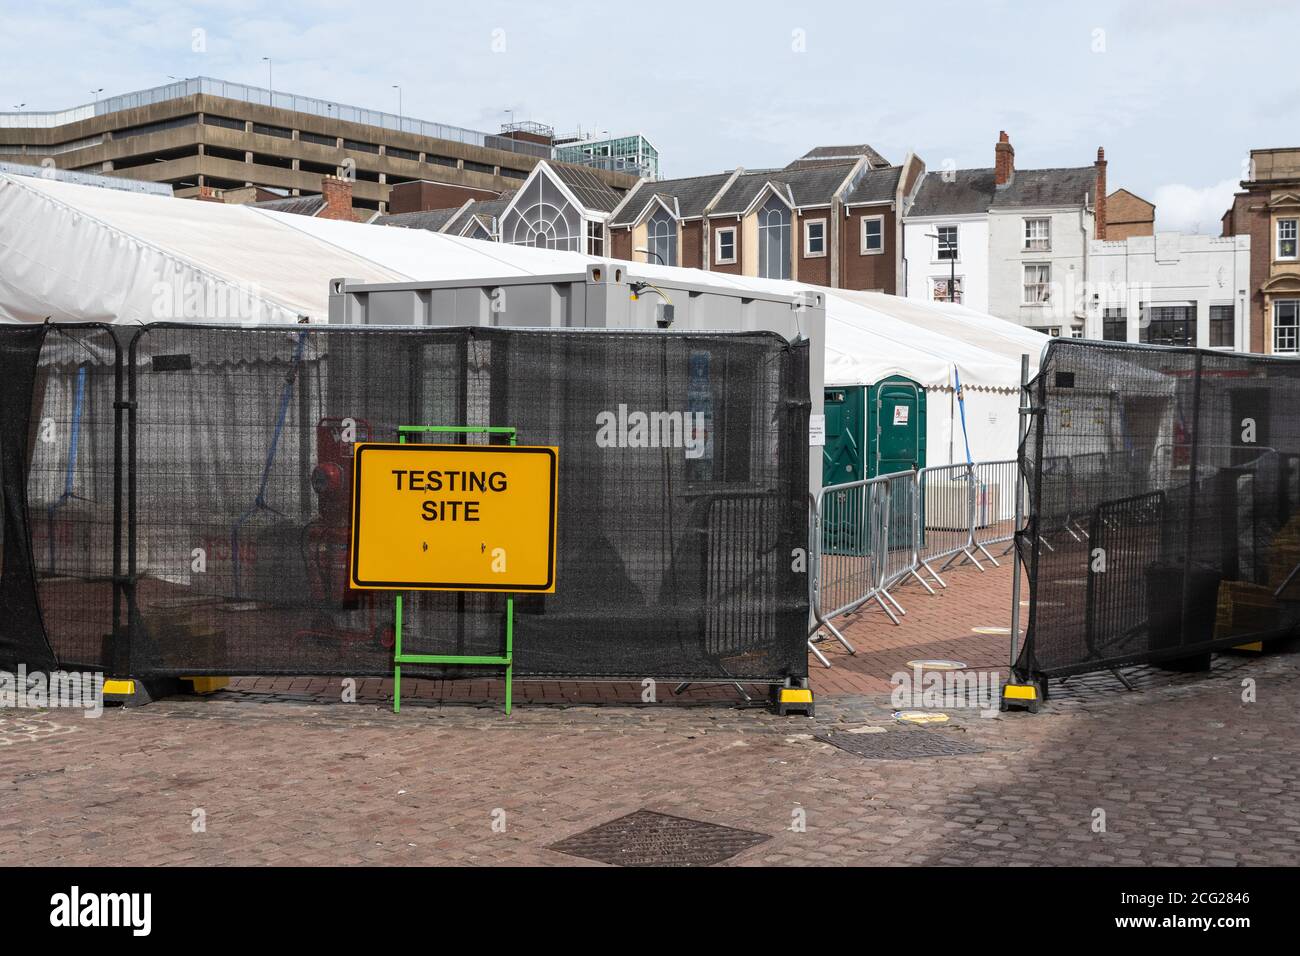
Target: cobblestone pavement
<point x="1184" y="771"/>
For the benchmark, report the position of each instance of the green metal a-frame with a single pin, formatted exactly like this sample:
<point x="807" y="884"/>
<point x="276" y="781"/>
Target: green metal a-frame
<point x="507" y="660"/>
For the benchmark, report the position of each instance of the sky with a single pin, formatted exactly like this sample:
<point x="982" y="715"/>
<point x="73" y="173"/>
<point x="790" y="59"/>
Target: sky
<point x="1177" y="92"/>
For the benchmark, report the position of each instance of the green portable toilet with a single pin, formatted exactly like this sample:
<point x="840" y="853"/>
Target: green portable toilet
<point x="895" y="426"/>
<point x="873" y="430"/>
<point x="843" y="455"/>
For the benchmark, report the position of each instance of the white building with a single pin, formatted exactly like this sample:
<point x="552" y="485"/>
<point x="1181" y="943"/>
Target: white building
<point x="947" y="247"/>
<point x="1171" y="289"/>
<point x="1017" y="240"/>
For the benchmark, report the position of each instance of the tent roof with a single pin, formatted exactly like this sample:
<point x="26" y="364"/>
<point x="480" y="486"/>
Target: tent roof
<point x="78" y="253"/>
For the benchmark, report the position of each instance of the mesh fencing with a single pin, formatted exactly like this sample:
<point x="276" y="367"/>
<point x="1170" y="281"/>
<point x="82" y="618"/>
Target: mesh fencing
<point x="177" y="502"/>
<point x="1164" y="505"/>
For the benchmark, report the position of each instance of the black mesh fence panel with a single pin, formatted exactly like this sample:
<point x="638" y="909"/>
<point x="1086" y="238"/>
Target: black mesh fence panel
<point x="1164" y="505"/>
<point x="207" y="471"/>
<point x="22" y="636"/>
<point x="73" y="488"/>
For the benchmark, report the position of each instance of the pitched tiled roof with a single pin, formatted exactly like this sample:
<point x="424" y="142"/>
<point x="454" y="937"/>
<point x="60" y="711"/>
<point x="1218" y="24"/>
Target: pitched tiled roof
<point x="692" y="194"/>
<point x="875" y="185"/>
<point x="430" y="219"/>
<point x="965" y="191"/>
<point x="1048" y="187"/>
<point x="974" y="191"/>
<point x="491" y="207"/>
<point x="435" y="219"/>
<point x="824" y="154"/>
<point x="592" y="191"/>
<point x="297" y="205"/>
<point x="807" y="186"/>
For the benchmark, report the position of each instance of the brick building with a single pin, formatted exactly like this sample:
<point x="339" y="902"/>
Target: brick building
<point x="831" y="217"/>
<point x="1268" y="211"/>
<point x="1128" y="215"/>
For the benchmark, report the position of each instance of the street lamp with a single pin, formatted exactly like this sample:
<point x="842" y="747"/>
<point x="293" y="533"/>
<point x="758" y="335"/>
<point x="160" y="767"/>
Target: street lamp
<point x="648" y="252"/>
<point x="511" y="114"/>
<point x="19" y="106"/>
<point x="95" y="93"/>
<point x="952" y="269"/>
<point x="398" y="87"/>
<point x="270" y="87"/>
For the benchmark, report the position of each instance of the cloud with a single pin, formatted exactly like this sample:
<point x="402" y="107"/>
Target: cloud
<point x="1182" y="208"/>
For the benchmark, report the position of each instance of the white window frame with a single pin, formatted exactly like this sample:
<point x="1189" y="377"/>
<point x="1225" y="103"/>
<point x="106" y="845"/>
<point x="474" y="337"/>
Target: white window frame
<point x="807" y="251"/>
<point x="956" y="233"/>
<point x="718" y="258"/>
<point x="1030" y="239"/>
<point x="1293" y="331"/>
<point x="1025" y="284"/>
<point x="862" y="240"/>
<point x="1294" y="237"/>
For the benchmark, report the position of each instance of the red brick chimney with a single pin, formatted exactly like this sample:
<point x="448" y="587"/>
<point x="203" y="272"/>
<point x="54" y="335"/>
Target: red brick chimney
<point x="1099" y="216"/>
<point x="1004" y="160"/>
<point x="338" y="198"/>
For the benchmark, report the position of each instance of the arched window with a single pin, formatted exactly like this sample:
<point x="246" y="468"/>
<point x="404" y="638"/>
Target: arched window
<point x="542" y="217"/>
<point x="661" y="238"/>
<point x="774" y="240"/>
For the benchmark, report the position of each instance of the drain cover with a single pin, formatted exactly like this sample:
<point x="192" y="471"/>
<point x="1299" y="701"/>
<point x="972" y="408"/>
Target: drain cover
<point x="646" y="838"/>
<point x="901" y="744"/>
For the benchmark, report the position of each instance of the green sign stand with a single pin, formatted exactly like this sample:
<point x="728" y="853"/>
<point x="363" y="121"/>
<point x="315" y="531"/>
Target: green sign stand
<point x="399" y="658"/>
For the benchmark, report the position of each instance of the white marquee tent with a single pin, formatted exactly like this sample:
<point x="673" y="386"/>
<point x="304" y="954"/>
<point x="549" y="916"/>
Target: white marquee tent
<point x="80" y="253"/>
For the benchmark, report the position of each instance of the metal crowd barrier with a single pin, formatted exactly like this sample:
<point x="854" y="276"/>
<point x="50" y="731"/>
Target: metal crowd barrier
<point x="871" y="535"/>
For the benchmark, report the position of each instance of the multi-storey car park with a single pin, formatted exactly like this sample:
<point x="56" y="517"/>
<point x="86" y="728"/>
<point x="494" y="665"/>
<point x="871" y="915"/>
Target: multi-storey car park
<point x="203" y="132"/>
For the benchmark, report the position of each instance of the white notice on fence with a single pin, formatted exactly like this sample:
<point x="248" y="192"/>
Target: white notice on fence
<point x="816" y="429"/>
<point x="900" y="414"/>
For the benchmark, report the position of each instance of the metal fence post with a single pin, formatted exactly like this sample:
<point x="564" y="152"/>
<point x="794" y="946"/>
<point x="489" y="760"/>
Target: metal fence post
<point x="914" y="562"/>
<point x="1016" y="568"/>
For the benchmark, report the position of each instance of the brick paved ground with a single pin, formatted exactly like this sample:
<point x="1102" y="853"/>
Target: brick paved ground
<point x="1185" y="772"/>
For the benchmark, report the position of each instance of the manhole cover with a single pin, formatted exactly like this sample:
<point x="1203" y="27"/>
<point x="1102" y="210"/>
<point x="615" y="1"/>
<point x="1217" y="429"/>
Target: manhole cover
<point x="646" y="838"/>
<point x="901" y="744"/>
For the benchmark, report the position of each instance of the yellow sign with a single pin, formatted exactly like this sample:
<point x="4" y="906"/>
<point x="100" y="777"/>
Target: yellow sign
<point x="454" y="517"/>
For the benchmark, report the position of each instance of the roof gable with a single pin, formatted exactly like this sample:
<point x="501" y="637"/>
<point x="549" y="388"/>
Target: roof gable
<point x="691" y="196"/>
<point x="809" y="186"/>
<point x="822" y="155"/>
<point x="875" y="186"/>
<point x="592" y="192"/>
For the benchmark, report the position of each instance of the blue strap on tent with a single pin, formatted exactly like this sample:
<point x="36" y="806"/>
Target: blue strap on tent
<point x="961" y="404"/>
<point x="259" y="503"/>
